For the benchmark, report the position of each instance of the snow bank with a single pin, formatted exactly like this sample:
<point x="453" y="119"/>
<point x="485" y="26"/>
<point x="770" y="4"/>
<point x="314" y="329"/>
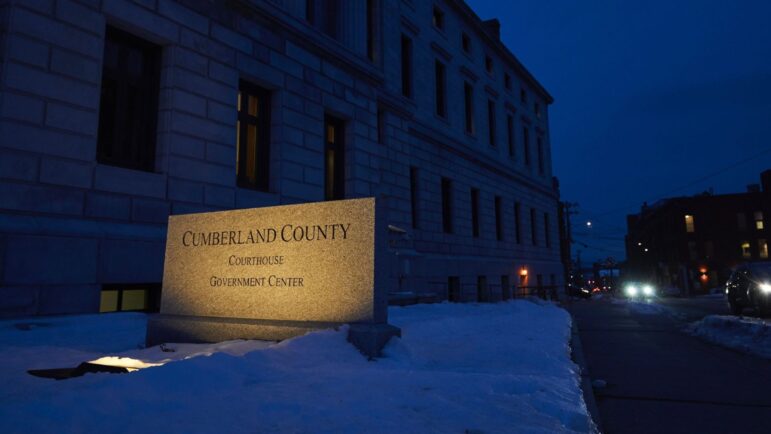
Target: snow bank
<point x="459" y="367"/>
<point x="749" y="335"/>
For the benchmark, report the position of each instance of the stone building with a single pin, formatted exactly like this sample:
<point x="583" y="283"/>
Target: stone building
<point x="115" y="114"/>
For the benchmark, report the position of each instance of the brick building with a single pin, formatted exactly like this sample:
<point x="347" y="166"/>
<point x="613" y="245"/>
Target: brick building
<point x="693" y="242"/>
<point x="116" y="114"/>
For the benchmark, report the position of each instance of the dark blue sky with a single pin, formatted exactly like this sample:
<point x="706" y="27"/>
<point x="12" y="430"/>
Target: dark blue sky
<point x="649" y="96"/>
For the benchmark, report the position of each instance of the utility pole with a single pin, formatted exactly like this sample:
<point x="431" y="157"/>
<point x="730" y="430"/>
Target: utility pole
<point x="567" y="209"/>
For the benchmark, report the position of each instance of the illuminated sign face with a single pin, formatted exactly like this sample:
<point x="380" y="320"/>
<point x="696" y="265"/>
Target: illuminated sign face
<point x="309" y="262"/>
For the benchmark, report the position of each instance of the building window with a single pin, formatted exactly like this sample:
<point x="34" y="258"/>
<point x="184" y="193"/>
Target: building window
<point x="526" y="144"/>
<point x="334" y="158"/>
<point x="437" y="18"/>
<point x="537" y="108"/>
<point x="468" y="99"/>
<point x="482" y="288"/>
<point x="498" y="219"/>
<point x="709" y="249"/>
<point x="475" y="212"/>
<point x="381" y="126"/>
<point x="759" y="220"/>
<point x="510" y="135"/>
<point x="517" y="223"/>
<point x="505" y="287"/>
<point x="446" y="206"/>
<point x="130" y="297"/>
<point x="689" y="227"/>
<point x="692" y="253"/>
<point x="453" y="288"/>
<point x="310" y="11"/>
<point x="406" y="66"/>
<point x="489" y="64"/>
<point x="491" y="121"/>
<point x="539" y="144"/>
<point x="763" y="248"/>
<point x="746" y="253"/>
<point x="330" y="15"/>
<point x="533" y="228"/>
<point x="741" y="221"/>
<point x="371" y="25"/>
<point x="414" y="195"/>
<point x="128" y="108"/>
<point x="253" y="137"/>
<point x="546" y="238"/>
<point x="523" y="95"/>
<point x="507" y="81"/>
<point x="465" y="42"/>
<point x="441" y="89"/>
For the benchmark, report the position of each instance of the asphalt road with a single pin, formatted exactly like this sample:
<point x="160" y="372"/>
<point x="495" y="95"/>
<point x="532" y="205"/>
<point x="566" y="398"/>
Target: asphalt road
<point x="661" y="380"/>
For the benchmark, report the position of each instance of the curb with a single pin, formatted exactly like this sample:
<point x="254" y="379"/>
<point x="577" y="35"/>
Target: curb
<point x="577" y="354"/>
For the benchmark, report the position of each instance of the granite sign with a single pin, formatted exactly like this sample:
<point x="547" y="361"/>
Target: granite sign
<point x="273" y="273"/>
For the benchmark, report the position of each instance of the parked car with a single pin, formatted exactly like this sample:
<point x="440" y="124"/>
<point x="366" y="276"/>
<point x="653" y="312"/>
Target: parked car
<point x="750" y="287"/>
<point x="578" y="291"/>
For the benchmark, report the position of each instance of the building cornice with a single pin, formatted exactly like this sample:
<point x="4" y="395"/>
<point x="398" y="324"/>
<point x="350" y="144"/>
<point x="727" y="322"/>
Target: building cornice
<point x="473" y="19"/>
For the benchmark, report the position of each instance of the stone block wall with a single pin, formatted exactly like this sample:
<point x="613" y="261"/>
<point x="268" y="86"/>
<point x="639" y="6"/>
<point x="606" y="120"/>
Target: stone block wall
<point x="69" y="225"/>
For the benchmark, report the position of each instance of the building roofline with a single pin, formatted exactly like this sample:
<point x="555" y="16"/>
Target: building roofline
<point x="502" y="49"/>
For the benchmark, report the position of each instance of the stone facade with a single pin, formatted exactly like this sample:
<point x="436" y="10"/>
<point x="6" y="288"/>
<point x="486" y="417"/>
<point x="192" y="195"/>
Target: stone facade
<point x="70" y="225"/>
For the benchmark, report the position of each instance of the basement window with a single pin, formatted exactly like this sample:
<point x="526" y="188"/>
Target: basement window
<point x="133" y="297"/>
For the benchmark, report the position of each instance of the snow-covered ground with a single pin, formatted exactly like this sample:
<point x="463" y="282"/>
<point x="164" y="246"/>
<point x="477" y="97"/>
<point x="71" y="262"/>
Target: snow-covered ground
<point x="483" y="368"/>
<point x="749" y="335"/>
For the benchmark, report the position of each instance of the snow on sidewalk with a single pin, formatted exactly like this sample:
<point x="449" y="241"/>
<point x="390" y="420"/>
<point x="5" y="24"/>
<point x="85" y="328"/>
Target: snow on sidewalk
<point x="458" y="368"/>
<point x="749" y="335"/>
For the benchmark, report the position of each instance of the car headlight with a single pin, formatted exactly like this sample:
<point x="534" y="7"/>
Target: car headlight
<point x="647" y="290"/>
<point x="765" y="288"/>
<point x="631" y="291"/>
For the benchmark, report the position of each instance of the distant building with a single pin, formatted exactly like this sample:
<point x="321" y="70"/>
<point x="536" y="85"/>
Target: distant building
<point x="116" y="114"/>
<point x="693" y="242"/>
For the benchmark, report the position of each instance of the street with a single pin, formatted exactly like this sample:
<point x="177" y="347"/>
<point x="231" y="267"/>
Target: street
<point x="662" y="380"/>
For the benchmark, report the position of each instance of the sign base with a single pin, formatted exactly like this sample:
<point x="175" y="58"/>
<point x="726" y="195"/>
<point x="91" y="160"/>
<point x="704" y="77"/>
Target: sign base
<point x="367" y="337"/>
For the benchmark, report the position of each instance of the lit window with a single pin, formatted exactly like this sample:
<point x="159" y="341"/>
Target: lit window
<point x="689" y="223"/>
<point x="746" y="253"/>
<point x="130" y="297"/>
<point x="763" y="248"/>
<point x="758" y="220"/>
<point x="253" y="137"/>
